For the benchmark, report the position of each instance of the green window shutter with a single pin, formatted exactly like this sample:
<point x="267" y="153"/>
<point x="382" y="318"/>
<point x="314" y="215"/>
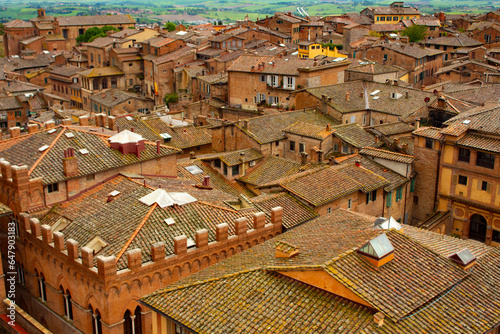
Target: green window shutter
<point x="389" y="199"/>
<point x="412" y="185"/>
<point x="399" y="194"/>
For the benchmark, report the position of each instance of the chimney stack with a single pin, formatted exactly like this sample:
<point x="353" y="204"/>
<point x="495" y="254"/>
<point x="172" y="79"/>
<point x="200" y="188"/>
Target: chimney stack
<point x="347" y="96"/>
<point x="396" y="141"/>
<point x="83" y="120"/>
<point x="303" y="158"/>
<point x="206" y="181"/>
<point x="358" y="163"/>
<point x="378" y="319"/>
<point x="417" y="123"/>
<point x="32" y="128"/>
<point x="158" y="148"/>
<point x="376" y="139"/>
<point x="192" y="155"/>
<point x="15" y="132"/>
<point x="70" y="163"/>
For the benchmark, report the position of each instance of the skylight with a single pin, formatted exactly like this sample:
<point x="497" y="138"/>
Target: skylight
<point x="378" y="247"/>
<point x="375" y="92"/>
<point x="194" y="169"/>
<point x="129" y="118"/>
<point x="463" y="257"/>
<point x="69" y="135"/>
<point x="114" y="193"/>
<point x="169" y="221"/>
<point x="83" y="151"/>
<point x="51" y="131"/>
<point x="467" y="121"/>
<point x="43" y="148"/>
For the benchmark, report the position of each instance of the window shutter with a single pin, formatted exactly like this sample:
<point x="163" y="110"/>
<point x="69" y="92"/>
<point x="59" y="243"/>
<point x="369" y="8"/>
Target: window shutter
<point x="367" y="198"/>
<point x="389" y="199"/>
<point x="455" y="179"/>
<point x="479" y="184"/>
<point x="374" y="195"/>
<point x="488" y="188"/>
<point x="412" y="185"/>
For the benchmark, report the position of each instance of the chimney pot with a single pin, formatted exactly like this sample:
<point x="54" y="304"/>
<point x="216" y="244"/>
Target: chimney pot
<point x="347" y="96"/>
<point x="358" y="163"/>
<point x="378" y="319"/>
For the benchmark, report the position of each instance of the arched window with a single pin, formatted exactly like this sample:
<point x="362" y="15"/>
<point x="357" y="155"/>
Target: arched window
<point x="41" y="287"/>
<point x="95" y="84"/>
<point x="478" y="227"/>
<point x="96" y="321"/>
<point x="132" y="322"/>
<point x="68" y="306"/>
<point x="104" y="83"/>
<point x="113" y="82"/>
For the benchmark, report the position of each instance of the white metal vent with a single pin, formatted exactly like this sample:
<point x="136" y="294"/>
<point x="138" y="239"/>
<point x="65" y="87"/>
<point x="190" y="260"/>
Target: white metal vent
<point x="43" y="148"/>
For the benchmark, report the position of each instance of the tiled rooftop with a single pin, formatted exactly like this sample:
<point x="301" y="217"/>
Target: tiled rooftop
<point x="48" y="165"/>
<point x="384" y="154"/>
<point x="355" y="135"/>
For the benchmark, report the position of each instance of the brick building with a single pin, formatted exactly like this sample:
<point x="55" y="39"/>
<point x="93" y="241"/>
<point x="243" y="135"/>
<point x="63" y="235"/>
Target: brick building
<point x="448" y="44"/>
<point x="47" y="167"/>
<point x="156" y="243"/>
<point x="270" y="80"/>
<point x="64" y="80"/>
<point x="393" y="13"/>
<point x="462" y="180"/>
<point x="421" y="62"/>
<point x="366" y="103"/>
<point x="114" y="102"/>
<point x="57" y="29"/>
<point x="285" y="23"/>
<point x="96" y="80"/>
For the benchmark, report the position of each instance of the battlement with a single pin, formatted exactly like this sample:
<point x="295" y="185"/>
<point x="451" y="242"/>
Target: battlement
<point x="111" y="268"/>
<point x="15" y="180"/>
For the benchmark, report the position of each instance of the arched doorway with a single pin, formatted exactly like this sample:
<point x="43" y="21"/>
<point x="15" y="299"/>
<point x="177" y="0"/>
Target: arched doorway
<point x="478" y="228"/>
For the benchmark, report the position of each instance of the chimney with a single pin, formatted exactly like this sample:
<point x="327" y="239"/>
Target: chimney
<point x="242" y="156"/>
<point x="112" y="123"/>
<point x="358" y="163"/>
<point x="192" y="155"/>
<point x="70" y="163"/>
<point x="347" y="96"/>
<point x="83" y="120"/>
<point x="328" y="127"/>
<point x="376" y="139"/>
<point x="66" y="122"/>
<point x="158" y="147"/>
<point x="332" y="161"/>
<point x="285" y="250"/>
<point x="396" y="141"/>
<point x="303" y="158"/>
<point x="405" y="147"/>
<point x="15" y="132"/>
<point x="206" y="181"/>
<point x="32" y="128"/>
<point x="407" y="94"/>
<point x="417" y="123"/>
<point x="50" y="125"/>
<point x="441" y="103"/>
<point x="245" y="124"/>
<point x="110" y="198"/>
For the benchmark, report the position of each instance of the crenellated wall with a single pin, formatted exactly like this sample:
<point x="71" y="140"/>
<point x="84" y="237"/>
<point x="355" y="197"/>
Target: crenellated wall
<point x="98" y="283"/>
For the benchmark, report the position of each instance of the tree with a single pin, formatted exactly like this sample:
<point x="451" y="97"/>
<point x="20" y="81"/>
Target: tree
<point x="171" y="98"/>
<point x="170" y="26"/>
<point x="219" y="23"/>
<point x="415" y="33"/>
<point x="93" y="33"/>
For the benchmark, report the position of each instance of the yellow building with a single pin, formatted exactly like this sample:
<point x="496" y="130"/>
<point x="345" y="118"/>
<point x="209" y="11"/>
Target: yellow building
<point x="467" y="176"/>
<point x="392" y="14"/>
<point x="311" y="50"/>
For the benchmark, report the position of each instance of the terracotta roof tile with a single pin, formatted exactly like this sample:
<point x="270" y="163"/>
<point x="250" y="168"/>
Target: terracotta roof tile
<point x="429" y="132"/>
<point x="355" y="135"/>
<point x="383" y="154"/>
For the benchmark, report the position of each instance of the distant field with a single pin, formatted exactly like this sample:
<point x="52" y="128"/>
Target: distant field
<point x="226" y="10"/>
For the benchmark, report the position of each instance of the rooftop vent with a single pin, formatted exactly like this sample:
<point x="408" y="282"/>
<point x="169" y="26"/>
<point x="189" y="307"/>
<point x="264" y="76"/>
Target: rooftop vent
<point x="83" y="151"/>
<point x="375" y="92"/>
<point x="69" y="135"/>
<point x="114" y="193"/>
<point x="387" y="224"/>
<point x="285" y="249"/>
<point x="51" y="131"/>
<point x="169" y="221"/>
<point x="378" y="251"/>
<point x="396" y="96"/>
<point x="463" y="258"/>
<point x="467" y="121"/>
<point x="164" y="199"/>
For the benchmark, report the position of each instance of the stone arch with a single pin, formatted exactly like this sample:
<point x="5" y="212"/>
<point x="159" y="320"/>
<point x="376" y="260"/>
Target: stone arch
<point x="214" y="258"/>
<point x="255" y="242"/>
<point x="478" y="226"/>
<point x="239" y="249"/>
<point x="205" y="262"/>
<point x="222" y="256"/>
<point x="186" y="269"/>
<point x="261" y="240"/>
<point x="276" y="234"/>
<point x="196" y="266"/>
<point x="247" y="245"/>
<point x="176" y="273"/>
<point x="61" y="281"/>
<point x="231" y="251"/>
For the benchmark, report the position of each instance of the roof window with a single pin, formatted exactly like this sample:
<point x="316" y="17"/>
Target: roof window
<point x="378" y="251"/>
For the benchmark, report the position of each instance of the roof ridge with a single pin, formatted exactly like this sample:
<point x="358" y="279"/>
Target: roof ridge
<point x="207" y="280"/>
<point x="46" y="151"/>
<point x="217" y="206"/>
<point x="136" y="232"/>
<point x="385" y="151"/>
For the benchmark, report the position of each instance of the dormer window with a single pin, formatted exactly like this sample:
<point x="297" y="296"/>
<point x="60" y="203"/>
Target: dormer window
<point x="463" y="258"/>
<point x="378" y="251"/>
